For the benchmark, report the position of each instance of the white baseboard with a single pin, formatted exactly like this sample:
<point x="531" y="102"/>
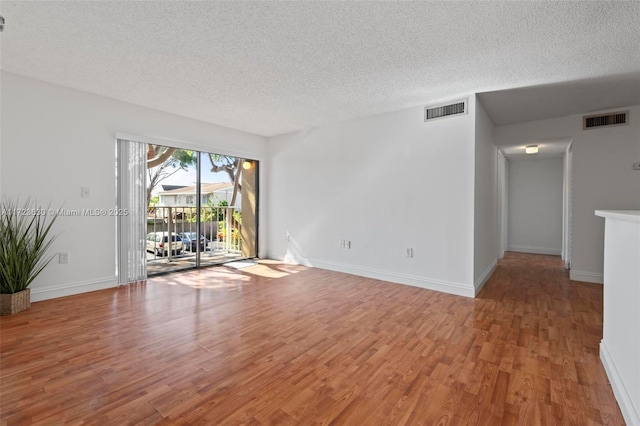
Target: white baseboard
<point x="589" y="277"/>
<point x="480" y="282"/>
<point x="39" y="294"/>
<point x="629" y="412"/>
<point x="394" y="277"/>
<point x="536" y="250"/>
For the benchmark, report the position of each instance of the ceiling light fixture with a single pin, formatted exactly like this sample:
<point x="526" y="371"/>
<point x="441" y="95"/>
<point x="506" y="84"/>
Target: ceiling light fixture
<point x="531" y="149"/>
<point x="246" y="164"/>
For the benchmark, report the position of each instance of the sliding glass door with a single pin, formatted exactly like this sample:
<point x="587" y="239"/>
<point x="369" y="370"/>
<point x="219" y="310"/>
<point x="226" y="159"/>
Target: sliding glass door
<point x="201" y="210"/>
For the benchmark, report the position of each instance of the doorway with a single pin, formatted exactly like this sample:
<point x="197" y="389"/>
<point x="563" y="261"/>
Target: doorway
<point x="534" y="201"/>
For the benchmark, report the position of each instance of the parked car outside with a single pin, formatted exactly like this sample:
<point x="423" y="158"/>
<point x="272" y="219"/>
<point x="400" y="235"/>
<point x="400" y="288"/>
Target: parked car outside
<point x="190" y="240"/>
<point x="158" y="243"/>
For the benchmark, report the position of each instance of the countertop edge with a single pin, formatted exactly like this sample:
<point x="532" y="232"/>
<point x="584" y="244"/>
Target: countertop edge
<point x="626" y="215"/>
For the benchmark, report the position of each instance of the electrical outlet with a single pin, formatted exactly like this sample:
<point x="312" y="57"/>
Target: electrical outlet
<point x="636" y="166"/>
<point x="63" y="257"/>
<point x="409" y="252"/>
<point x="85" y="192"/>
<point x="287" y="237"/>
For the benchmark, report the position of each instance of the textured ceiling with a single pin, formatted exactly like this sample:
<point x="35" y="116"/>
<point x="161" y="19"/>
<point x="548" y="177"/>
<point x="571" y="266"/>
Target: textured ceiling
<point x="558" y="99"/>
<point x="275" y="67"/>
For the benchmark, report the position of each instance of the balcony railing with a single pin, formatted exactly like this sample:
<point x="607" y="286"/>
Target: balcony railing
<point x="221" y="226"/>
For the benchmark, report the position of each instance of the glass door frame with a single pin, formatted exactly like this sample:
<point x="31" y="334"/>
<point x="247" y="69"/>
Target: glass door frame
<point x="231" y="233"/>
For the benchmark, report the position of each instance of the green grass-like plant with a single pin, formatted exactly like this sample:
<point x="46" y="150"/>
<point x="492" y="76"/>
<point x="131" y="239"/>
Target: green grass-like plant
<point x="24" y="243"/>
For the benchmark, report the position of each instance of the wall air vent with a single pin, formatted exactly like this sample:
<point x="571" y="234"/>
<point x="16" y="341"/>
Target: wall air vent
<point x="601" y="120"/>
<point x="441" y="111"/>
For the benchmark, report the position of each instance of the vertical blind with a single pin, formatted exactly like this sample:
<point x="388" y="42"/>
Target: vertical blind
<point x="131" y="163"/>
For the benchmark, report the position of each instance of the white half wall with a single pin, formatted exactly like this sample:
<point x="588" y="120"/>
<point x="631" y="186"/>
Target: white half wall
<point x="485" y="230"/>
<point x="603" y="177"/>
<point x="385" y="183"/>
<point x="535" y="205"/>
<point x="620" y="346"/>
<point x="54" y="140"/>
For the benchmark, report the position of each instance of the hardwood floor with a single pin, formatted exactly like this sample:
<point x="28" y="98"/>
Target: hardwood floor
<point x="277" y="344"/>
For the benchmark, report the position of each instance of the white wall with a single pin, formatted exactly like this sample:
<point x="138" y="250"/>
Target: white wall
<point x="503" y="203"/>
<point x="620" y="346"/>
<point x="535" y="205"/>
<point x="603" y="178"/>
<point x="486" y="202"/>
<point x="1" y="126"/>
<point x="567" y="213"/>
<point x="325" y="184"/>
<point x="55" y="140"/>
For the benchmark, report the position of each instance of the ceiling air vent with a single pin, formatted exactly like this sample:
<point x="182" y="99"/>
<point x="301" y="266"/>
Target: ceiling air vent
<point x="456" y="108"/>
<point x="608" y="119"/>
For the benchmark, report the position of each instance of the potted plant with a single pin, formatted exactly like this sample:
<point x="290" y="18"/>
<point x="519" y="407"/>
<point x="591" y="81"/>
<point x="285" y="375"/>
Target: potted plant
<point x="24" y="244"/>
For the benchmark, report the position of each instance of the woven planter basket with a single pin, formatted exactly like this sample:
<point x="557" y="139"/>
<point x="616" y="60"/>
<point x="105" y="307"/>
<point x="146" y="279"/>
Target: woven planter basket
<point x="13" y="303"/>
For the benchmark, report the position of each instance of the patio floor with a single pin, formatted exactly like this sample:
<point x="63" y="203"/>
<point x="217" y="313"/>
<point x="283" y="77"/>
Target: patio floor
<point x="186" y="260"/>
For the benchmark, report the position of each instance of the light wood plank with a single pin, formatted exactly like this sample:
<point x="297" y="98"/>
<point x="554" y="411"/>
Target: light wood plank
<point x="281" y="344"/>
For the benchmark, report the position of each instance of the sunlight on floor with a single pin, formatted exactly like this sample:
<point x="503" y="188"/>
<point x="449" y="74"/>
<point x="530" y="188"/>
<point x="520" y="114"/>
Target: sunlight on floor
<point x="273" y="269"/>
<point x="227" y="277"/>
<point x="211" y="278"/>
